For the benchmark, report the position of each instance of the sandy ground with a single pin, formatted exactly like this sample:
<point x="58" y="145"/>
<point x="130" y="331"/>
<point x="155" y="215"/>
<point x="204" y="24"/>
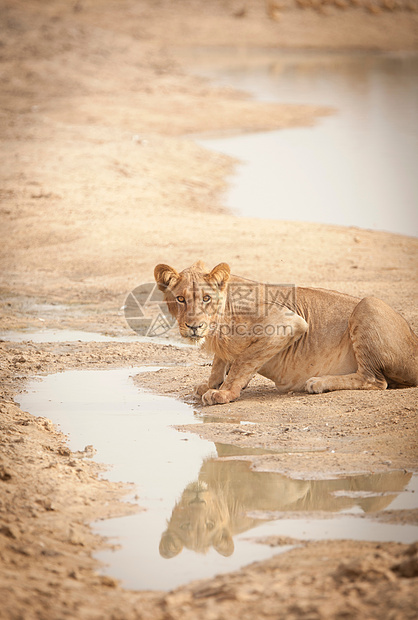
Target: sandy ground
<point x="100" y="180"/>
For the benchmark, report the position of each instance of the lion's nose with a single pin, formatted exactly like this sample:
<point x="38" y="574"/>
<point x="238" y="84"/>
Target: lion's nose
<point x="194" y="328"/>
<point x="197" y="500"/>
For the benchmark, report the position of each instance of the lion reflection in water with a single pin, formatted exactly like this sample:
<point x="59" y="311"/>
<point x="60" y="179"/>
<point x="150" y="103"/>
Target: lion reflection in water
<point x="218" y="506"/>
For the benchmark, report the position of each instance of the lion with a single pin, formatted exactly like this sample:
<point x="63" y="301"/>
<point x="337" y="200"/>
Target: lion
<point x="302" y="339"/>
<point x="229" y="498"/>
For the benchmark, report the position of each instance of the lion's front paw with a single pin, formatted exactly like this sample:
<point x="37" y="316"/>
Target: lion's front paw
<point x="216" y="397"/>
<point x="201" y="389"/>
<point x="316" y="385"/>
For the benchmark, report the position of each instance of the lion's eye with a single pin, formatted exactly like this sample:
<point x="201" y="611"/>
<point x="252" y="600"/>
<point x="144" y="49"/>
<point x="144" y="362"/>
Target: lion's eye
<point x="206" y="298"/>
<point x="180" y="299"/>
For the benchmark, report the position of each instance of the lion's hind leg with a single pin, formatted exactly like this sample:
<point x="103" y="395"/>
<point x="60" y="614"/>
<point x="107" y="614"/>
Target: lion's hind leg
<point x="385" y="348"/>
<point x="354" y="381"/>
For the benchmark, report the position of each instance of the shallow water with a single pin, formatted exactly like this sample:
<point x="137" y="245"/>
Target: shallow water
<point x="60" y="335"/>
<point x="72" y="335"/>
<point x="201" y="504"/>
<point x="356" y="167"/>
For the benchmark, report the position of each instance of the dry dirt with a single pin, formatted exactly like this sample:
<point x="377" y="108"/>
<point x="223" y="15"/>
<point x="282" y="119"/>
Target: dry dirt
<point x="100" y="180"/>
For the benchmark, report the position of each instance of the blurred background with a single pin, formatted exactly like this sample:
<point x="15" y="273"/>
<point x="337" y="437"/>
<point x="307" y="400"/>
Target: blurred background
<point x="135" y="132"/>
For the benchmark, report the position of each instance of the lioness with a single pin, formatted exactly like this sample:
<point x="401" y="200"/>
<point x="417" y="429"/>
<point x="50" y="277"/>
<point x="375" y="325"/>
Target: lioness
<point x="227" y="495"/>
<point x="300" y="338"/>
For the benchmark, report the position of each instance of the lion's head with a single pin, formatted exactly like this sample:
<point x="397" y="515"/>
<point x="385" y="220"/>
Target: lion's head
<point x="198" y="522"/>
<point x="195" y="297"/>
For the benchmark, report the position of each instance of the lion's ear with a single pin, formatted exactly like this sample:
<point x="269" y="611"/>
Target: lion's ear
<point x="224" y="544"/>
<point x="170" y="545"/>
<point x="165" y="276"/>
<point x="219" y="275"/>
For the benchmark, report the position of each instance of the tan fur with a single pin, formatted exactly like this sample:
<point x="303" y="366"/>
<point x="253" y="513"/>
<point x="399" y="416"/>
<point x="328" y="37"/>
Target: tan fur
<point x="223" y="502"/>
<point x="300" y="338"/>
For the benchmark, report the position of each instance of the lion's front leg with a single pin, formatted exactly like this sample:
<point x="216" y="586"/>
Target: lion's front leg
<point x="216" y="378"/>
<point x="240" y="373"/>
<point x="249" y="362"/>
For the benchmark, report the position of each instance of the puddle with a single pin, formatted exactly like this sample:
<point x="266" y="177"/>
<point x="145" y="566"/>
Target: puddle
<point x="353" y="168"/>
<point x="225" y="450"/>
<point x="60" y="335"/>
<point x="67" y="335"/>
<point x="201" y="510"/>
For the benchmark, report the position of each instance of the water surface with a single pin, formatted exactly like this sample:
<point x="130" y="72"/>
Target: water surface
<point x="356" y="167"/>
<point x="203" y="504"/>
<point x="73" y="335"/>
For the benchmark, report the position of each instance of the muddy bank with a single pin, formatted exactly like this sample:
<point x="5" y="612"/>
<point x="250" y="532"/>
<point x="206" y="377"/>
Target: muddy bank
<point x="351" y="431"/>
<point x="49" y="495"/>
<point x="100" y="182"/>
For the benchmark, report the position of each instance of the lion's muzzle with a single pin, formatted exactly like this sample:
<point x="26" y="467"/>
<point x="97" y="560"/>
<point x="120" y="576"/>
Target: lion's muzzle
<point x="196" y="331"/>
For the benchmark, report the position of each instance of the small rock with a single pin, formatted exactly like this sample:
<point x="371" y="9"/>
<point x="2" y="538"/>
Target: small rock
<point x="64" y="451"/>
<point x="4" y="474"/>
<point x="45" y="503"/>
<point x="76" y="538"/>
<point x="108" y="581"/>
<point x="407" y="568"/>
<point x="47" y="424"/>
<point x="9" y="531"/>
